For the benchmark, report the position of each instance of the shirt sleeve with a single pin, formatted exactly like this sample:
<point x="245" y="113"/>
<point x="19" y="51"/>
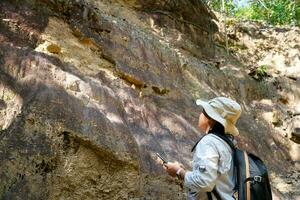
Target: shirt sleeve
<point x="205" y="167"/>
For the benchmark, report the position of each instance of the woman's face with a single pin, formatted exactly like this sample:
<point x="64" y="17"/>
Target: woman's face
<point x="204" y="123"/>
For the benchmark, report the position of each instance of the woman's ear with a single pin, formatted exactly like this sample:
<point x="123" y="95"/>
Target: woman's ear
<point x="211" y="123"/>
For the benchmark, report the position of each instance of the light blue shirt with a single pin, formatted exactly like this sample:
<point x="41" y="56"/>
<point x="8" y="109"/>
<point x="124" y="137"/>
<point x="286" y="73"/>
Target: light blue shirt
<point x="212" y="167"/>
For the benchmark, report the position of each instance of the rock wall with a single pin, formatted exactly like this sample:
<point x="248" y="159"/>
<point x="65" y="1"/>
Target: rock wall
<point x="270" y="55"/>
<point x="91" y="90"/>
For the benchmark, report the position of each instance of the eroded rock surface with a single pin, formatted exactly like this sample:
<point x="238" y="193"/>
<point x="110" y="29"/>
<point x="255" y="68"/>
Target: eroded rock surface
<point x="91" y="90"/>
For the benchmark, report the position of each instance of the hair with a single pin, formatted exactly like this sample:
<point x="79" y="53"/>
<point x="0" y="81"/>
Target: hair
<point x="217" y="127"/>
<point x="206" y="115"/>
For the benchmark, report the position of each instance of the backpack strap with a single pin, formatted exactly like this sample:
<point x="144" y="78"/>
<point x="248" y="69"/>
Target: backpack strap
<point x="225" y="137"/>
<point x="195" y="145"/>
<point x="248" y="193"/>
<point x="216" y="194"/>
<point x="220" y="135"/>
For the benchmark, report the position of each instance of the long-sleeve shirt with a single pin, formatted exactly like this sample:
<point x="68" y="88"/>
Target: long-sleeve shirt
<point x="212" y="167"/>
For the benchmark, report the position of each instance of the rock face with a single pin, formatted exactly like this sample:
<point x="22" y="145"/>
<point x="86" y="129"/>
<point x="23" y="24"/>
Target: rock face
<point x="270" y="55"/>
<point x="91" y="90"/>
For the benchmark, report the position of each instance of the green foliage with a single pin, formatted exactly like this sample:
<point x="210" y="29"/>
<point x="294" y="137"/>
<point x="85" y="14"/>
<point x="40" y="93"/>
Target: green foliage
<point x="276" y="12"/>
<point x="244" y="13"/>
<point x="261" y="71"/>
<point x="217" y="5"/>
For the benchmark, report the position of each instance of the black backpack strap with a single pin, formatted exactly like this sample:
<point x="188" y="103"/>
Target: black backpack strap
<point x="226" y="139"/>
<point x="194" y="147"/>
<point x="220" y="135"/>
<point x="209" y="196"/>
<point x="216" y="194"/>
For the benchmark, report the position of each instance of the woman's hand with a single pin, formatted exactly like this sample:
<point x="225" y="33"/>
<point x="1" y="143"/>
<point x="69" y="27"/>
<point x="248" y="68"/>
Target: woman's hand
<point x="173" y="167"/>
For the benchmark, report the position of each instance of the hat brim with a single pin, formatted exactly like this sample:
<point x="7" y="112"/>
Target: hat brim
<point x="229" y="127"/>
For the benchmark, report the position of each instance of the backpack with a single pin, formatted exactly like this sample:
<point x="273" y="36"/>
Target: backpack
<point x="252" y="175"/>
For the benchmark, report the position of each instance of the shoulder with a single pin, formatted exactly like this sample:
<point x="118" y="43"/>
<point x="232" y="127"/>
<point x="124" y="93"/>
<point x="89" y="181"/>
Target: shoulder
<point x="212" y="146"/>
<point x="211" y="139"/>
<point x="215" y="142"/>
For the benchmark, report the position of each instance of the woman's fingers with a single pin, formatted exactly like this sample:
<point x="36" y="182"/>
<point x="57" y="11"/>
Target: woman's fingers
<point x="179" y="165"/>
<point x="165" y="166"/>
<point x="172" y="167"/>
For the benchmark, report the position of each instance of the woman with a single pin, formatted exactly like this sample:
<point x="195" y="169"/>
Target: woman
<point x="213" y="168"/>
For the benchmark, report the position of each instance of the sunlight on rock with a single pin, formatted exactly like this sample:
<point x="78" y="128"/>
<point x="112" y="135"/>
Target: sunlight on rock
<point x="89" y="96"/>
<point x="11" y="105"/>
<point x="274" y="60"/>
<point x="82" y="53"/>
<point x="114" y="118"/>
<point x="295" y="152"/>
<point x="152" y="25"/>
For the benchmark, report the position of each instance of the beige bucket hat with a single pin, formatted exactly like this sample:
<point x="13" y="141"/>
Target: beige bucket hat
<point x="223" y="110"/>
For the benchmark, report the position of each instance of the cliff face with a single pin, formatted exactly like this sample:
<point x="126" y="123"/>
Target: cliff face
<point x="91" y="90"/>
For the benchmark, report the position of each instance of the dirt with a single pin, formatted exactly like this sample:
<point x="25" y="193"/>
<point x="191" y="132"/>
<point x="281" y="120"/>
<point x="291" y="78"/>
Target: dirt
<point x="91" y="90"/>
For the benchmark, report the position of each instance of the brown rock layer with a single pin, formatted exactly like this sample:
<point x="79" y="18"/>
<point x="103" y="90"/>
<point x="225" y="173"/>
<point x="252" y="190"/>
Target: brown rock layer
<point x="91" y="90"/>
